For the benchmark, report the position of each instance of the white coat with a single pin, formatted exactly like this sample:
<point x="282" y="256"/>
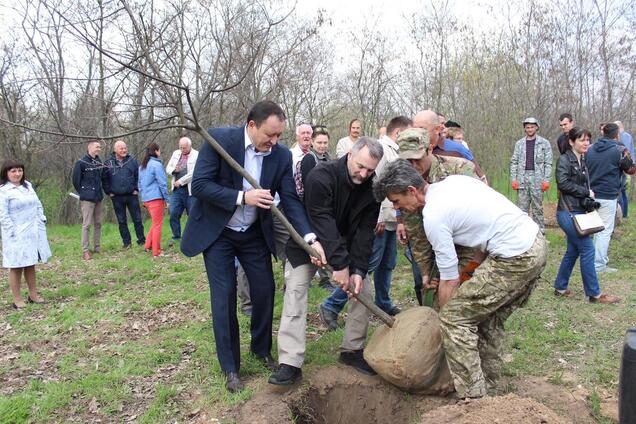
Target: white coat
<point x="23" y="227"/>
<point x="172" y="164"/>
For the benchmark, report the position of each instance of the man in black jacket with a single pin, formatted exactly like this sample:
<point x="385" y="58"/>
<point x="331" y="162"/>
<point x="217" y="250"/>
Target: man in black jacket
<point x="607" y="160"/>
<point x="88" y="174"/>
<point x="121" y="184"/>
<point x="343" y="214"/>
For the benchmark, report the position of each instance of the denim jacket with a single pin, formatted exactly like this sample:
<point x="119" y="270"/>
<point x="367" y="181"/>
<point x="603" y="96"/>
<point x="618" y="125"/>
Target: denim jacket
<point x="152" y="181"/>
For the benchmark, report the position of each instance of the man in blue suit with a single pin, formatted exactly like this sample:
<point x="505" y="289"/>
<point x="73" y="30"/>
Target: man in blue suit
<point x="232" y="219"/>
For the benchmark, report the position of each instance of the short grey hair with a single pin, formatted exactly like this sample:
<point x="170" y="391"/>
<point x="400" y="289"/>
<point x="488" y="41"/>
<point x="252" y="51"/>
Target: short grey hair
<point x="375" y="148"/>
<point x="396" y="177"/>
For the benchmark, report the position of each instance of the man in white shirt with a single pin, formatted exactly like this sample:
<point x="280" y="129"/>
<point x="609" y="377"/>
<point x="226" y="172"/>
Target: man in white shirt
<point x="509" y="247"/>
<point x="303" y="144"/>
<point x="344" y="144"/>
<point x="181" y="167"/>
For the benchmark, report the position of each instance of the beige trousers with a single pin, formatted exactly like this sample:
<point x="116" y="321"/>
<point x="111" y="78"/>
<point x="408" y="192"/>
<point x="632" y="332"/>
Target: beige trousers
<point x="91" y="215"/>
<point x="293" y="322"/>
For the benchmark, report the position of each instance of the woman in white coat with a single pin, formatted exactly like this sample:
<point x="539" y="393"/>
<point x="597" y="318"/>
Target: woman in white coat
<point x="23" y="227"/>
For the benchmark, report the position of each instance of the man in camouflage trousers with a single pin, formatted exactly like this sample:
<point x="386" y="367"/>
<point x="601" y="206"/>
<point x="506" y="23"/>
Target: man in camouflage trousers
<point x="415" y="147"/>
<point x="530" y="170"/>
<point x="509" y="248"/>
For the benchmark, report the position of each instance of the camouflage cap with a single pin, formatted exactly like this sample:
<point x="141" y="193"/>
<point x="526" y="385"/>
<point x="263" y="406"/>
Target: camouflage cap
<point x="413" y="143"/>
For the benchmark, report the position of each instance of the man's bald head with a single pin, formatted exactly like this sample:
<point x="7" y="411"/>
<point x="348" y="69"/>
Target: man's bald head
<point x="425" y="119"/>
<point x="185" y="145"/>
<point x="120" y="149"/>
<point x="429" y="121"/>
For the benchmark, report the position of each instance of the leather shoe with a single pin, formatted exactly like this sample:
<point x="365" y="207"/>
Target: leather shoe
<point x="286" y="375"/>
<point x="565" y="293"/>
<point x="233" y="383"/>
<point x="329" y="318"/>
<point x="394" y="311"/>
<point x="356" y="360"/>
<point x="268" y="361"/>
<point x="605" y="299"/>
<point x="87" y="256"/>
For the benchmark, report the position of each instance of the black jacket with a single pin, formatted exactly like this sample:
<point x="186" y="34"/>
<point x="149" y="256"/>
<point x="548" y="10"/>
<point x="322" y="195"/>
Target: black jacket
<point x="563" y="143"/>
<point x="121" y="179"/>
<point x="607" y="160"/>
<point x="88" y="174"/>
<point x="343" y="216"/>
<point x="572" y="182"/>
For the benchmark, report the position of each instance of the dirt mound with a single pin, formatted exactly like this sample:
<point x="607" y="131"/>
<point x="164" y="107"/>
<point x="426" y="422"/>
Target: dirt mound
<point x="410" y="354"/>
<point x="499" y="409"/>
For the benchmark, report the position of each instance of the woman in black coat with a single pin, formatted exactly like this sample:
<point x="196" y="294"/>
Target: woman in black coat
<point x="576" y="197"/>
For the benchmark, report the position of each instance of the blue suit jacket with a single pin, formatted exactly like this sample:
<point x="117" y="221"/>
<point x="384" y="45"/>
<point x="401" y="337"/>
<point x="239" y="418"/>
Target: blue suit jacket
<point x="215" y="187"/>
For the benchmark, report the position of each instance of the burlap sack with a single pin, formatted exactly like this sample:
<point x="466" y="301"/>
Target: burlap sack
<point x="410" y="355"/>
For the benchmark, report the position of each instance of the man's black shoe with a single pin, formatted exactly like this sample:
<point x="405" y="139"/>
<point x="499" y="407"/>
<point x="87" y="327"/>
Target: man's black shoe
<point x="127" y="246"/>
<point x="233" y="383"/>
<point x="356" y="360"/>
<point x="268" y="362"/>
<point x="329" y="318"/>
<point x="394" y="311"/>
<point x="286" y="375"/>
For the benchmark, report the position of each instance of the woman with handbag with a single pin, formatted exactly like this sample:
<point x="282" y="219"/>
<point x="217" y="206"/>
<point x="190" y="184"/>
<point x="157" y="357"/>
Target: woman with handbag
<point x="576" y="198"/>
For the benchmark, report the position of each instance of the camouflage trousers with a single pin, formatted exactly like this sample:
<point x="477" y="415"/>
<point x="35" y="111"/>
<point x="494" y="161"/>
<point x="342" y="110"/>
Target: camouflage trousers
<point x="530" y="200"/>
<point x="472" y="322"/>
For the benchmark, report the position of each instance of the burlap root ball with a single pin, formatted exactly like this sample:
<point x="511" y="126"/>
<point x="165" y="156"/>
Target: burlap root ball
<point x="410" y="355"/>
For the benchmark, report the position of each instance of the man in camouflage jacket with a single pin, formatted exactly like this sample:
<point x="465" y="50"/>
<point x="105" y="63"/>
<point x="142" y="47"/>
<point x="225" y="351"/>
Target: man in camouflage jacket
<point x="530" y="170"/>
<point x="416" y="148"/>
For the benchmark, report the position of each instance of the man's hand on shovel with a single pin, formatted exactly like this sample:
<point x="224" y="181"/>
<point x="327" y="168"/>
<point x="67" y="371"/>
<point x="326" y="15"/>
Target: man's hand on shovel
<point x="318" y="248"/>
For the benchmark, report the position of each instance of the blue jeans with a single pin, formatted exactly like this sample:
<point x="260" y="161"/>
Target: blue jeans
<point x="578" y="247"/>
<point x="180" y="200"/>
<point x="602" y="239"/>
<point x="382" y="262"/>
<point x="130" y="201"/>
<point x="624" y="200"/>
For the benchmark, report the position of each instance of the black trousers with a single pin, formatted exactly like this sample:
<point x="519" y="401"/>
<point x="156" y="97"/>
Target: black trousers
<point x="130" y="201"/>
<point x="252" y="252"/>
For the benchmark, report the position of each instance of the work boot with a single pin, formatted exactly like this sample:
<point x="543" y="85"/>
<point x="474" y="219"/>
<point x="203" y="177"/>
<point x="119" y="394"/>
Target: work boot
<point x="233" y="383"/>
<point x="356" y="360"/>
<point x="329" y="318"/>
<point x="286" y="375"/>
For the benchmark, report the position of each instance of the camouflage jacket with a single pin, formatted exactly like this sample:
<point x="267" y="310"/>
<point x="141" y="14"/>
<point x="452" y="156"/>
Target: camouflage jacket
<point x="442" y="167"/>
<point x="542" y="162"/>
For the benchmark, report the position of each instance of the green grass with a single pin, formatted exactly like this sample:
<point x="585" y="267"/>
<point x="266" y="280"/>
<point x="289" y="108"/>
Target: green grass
<point x="127" y="335"/>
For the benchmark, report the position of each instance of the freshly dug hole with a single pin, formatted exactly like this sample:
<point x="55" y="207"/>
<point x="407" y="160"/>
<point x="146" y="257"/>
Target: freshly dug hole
<point x="341" y="397"/>
<point x="410" y="355"/>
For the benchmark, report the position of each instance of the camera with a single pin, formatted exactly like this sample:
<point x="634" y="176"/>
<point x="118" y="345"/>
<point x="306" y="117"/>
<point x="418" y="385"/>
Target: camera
<point x="590" y="204"/>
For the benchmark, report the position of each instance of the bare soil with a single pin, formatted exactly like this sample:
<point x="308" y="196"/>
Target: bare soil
<point x="335" y="395"/>
<point x="499" y="409"/>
